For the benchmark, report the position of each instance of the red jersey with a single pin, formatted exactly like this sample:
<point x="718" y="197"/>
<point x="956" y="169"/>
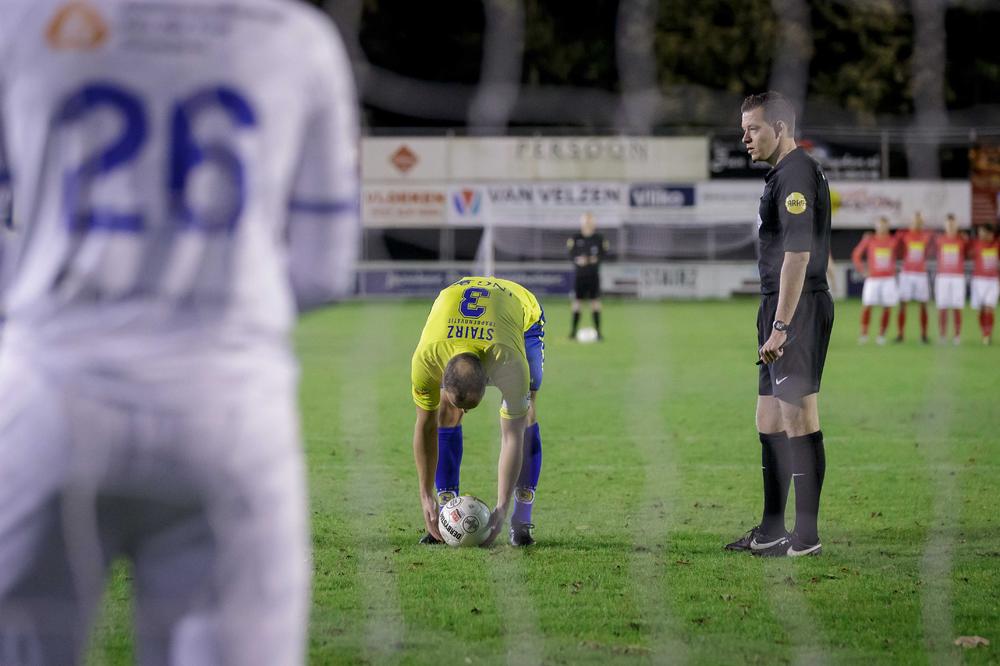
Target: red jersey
<point x="881" y="251"/>
<point x="913" y="249"/>
<point x="950" y="255"/>
<point x="985" y="257"/>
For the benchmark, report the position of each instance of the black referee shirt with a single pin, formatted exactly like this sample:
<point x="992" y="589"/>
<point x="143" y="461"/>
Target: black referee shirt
<point x="587" y="246"/>
<point x="794" y="216"/>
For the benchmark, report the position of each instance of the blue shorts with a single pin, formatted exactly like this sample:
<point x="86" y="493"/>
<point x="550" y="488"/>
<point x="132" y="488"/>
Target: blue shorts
<point x="534" y="349"/>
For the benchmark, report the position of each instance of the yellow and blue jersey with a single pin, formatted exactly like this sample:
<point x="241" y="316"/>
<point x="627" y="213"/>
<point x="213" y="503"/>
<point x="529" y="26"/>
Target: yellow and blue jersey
<point x="500" y="322"/>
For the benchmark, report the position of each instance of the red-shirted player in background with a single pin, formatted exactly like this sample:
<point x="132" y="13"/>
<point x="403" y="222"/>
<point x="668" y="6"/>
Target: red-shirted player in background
<point x="985" y="278"/>
<point x="914" y="285"/>
<point x="880" y="276"/>
<point x="949" y="283"/>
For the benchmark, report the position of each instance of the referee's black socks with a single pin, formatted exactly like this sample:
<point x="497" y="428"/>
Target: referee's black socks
<point x="808" y="470"/>
<point x="576" y="322"/>
<point x="776" y="467"/>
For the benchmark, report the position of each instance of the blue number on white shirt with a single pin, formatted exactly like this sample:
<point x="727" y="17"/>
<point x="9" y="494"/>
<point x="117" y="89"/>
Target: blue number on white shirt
<point x="77" y="182"/>
<point x="185" y="155"/>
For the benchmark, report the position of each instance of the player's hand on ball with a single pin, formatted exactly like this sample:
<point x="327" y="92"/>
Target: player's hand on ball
<point x="497" y="519"/>
<point x="773" y="348"/>
<point x="430" y="509"/>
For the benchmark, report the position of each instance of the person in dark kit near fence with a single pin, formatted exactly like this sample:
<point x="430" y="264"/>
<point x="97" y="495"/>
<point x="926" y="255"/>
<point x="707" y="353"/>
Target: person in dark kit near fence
<point x="587" y="249"/>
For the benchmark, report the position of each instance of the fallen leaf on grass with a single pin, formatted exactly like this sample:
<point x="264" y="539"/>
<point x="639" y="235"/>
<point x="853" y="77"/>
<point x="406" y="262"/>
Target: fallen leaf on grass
<point x="475" y="611"/>
<point x="971" y="641"/>
<point x="683" y="562"/>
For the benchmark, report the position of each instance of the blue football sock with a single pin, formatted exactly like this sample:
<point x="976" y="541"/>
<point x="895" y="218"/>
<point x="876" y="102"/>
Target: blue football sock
<point x="449" y="462"/>
<point x="527" y="481"/>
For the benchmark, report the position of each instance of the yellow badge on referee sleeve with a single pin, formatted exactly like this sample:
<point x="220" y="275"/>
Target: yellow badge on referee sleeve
<point x="795" y="203"/>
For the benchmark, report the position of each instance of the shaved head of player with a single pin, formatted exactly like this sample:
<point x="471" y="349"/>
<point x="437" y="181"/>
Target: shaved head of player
<point x="951" y="224"/>
<point x="793" y="327"/>
<point x="464" y="381"/>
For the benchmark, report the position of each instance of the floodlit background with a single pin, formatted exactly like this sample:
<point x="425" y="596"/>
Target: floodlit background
<point x="490" y="126"/>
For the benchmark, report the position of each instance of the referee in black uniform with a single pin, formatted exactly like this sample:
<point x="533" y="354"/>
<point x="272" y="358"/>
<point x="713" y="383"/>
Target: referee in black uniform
<point x="793" y="327"/>
<point x="587" y="249"/>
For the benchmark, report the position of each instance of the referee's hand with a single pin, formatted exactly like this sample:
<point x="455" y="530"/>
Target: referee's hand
<point x="773" y="348"/>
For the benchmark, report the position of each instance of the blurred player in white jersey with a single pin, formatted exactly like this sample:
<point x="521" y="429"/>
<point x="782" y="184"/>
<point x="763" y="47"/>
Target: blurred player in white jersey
<point x="184" y="177"/>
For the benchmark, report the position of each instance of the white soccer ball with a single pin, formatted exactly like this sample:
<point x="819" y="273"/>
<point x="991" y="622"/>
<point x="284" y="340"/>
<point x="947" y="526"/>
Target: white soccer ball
<point x="464" y="521"/>
<point x="586" y="335"/>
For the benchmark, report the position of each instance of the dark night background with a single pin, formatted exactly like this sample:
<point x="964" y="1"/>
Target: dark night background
<point x="861" y="60"/>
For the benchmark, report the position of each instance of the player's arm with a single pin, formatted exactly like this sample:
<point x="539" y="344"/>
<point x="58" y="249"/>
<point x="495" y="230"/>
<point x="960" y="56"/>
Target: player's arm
<point x="6" y="199"/>
<point x="425" y="454"/>
<point x="508" y="469"/>
<point x="324" y="227"/>
<point x="831" y="273"/>
<point x="512" y="378"/>
<point x="858" y="253"/>
<point x="793" y="276"/>
<point x="6" y="196"/>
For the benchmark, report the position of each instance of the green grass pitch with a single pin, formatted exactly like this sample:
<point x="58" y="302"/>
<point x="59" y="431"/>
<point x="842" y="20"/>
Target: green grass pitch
<point x="651" y="463"/>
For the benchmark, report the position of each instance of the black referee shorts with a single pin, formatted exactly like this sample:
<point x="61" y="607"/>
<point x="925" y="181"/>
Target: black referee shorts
<point x="587" y="285"/>
<point x="799" y="371"/>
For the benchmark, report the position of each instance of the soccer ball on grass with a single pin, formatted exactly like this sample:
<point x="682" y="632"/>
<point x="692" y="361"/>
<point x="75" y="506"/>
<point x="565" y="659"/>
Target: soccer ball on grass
<point x="464" y="521"/>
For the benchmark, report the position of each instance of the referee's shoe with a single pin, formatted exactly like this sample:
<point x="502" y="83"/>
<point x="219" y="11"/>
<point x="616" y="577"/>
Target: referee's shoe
<point x="755" y="540"/>
<point x="790" y="546"/>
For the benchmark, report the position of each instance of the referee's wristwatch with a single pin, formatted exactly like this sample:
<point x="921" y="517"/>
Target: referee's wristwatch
<point x="780" y="326"/>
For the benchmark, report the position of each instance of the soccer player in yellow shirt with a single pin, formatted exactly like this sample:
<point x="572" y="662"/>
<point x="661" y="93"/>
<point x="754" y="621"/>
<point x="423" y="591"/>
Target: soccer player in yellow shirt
<point x="481" y="331"/>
